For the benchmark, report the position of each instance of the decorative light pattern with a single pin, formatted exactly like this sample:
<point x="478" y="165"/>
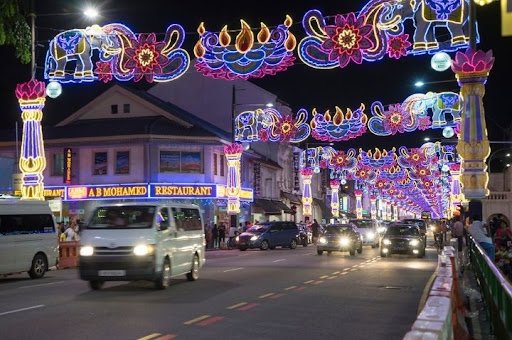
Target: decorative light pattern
<point x="31" y="98"/>
<point x="373" y="207"/>
<point x="123" y="55"/>
<point x="340" y="127"/>
<point x="359" y="203"/>
<point x="307" y="198"/>
<point x="335" y="199"/>
<point x="270" y="53"/>
<point x="233" y="154"/>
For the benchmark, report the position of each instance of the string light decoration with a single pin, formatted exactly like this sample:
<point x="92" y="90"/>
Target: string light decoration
<point x="373" y="207"/>
<point x="233" y="154"/>
<point x="359" y="203"/>
<point x="123" y="55"/>
<point x="472" y="69"/>
<point x="335" y="199"/>
<point x="307" y="198"/>
<point x="271" y="52"/>
<point x="379" y="30"/>
<point x="340" y="126"/>
<point x="31" y="98"/>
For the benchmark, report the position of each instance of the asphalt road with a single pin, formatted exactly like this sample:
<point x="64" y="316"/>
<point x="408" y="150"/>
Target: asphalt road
<point x="274" y="294"/>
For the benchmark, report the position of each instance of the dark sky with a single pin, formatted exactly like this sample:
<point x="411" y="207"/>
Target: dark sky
<point x="388" y="80"/>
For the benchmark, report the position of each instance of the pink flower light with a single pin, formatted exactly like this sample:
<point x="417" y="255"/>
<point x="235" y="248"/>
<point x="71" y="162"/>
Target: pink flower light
<point x="30" y="90"/>
<point x="233" y="149"/>
<point x="473" y="61"/>
<point x="398" y="45"/>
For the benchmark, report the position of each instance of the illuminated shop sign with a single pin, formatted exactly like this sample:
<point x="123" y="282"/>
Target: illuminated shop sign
<point x="246" y="194"/>
<point x="48" y="192"/>
<point x="68" y="165"/>
<point x="107" y="192"/>
<point x="183" y="190"/>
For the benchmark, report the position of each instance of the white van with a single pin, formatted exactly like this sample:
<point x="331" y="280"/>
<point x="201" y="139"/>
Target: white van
<point x="142" y="241"/>
<point x="28" y="237"/>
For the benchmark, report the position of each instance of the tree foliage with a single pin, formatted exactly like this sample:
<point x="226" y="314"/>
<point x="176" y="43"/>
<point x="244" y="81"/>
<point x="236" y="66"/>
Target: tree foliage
<point x="14" y="29"/>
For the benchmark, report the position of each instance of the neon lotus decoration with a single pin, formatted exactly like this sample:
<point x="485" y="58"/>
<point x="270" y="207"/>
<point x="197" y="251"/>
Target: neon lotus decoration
<point x="335" y="199"/>
<point x="307" y="198"/>
<point x="123" y="55"/>
<point x="270" y="53"/>
<point x="31" y="97"/>
<point x="340" y="127"/>
<point x="233" y="154"/>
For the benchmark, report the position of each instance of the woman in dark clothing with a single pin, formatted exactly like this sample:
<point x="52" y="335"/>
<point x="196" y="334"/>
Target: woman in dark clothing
<point x="215" y="236"/>
<point x="222" y="234"/>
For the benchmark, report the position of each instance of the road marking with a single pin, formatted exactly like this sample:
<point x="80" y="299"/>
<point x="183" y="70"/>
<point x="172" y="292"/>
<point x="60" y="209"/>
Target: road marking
<point x="331" y="277"/>
<point x="354" y="266"/>
<point x="233" y="269"/>
<point x="300" y="288"/>
<point x="310" y="281"/>
<point x="308" y="254"/>
<point x="318" y="282"/>
<point x="150" y="336"/>
<point x="353" y="269"/>
<point x="276" y="296"/>
<point x="266" y="295"/>
<point x="237" y="305"/>
<point x="362" y="265"/>
<point x="202" y="317"/>
<point x="21" y="310"/>
<point x="249" y="306"/>
<point x="210" y="321"/>
<point x="346" y="269"/>
<point x="167" y="337"/>
<point x="279" y="260"/>
<point x="335" y="273"/>
<point x="42" y="284"/>
<point x="344" y="273"/>
<point x="290" y="288"/>
<point x="323" y="276"/>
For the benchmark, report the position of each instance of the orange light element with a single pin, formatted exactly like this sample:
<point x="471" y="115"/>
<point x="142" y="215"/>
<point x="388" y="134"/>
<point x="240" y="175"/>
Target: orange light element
<point x="244" y="39"/>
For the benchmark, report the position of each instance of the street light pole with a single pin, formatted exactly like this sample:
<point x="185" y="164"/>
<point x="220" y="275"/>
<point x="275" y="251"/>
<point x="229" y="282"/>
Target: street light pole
<point x="32" y="16"/>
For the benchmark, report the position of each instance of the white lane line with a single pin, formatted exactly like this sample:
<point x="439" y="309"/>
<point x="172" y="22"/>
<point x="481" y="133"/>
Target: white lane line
<point x="233" y="269"/>
<point x="308" y="254"/>
<point x="21" y="310"/>
<point x="279" y="260"/>
<point x="42" y="284"/>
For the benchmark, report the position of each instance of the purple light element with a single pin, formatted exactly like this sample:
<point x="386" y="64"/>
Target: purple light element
<point x="340" y="127"/>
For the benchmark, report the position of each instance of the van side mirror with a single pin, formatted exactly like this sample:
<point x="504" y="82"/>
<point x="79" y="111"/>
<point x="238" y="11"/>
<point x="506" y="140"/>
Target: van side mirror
<point x="164" y="225"/>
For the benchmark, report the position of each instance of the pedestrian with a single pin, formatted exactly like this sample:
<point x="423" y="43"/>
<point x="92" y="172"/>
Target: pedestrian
<point x="215" y="236"/>
<point x="222" y="235"/>
<point x="458" y="233"/>
<point x="246" y="226"/>
<point x="209" y="238"/>
<point x="315" y="229"/>
<point x="478" y="232"/>
<point x="233" y="232"/>
<point x="503" y="236"/>
<point x="69" y="234"/>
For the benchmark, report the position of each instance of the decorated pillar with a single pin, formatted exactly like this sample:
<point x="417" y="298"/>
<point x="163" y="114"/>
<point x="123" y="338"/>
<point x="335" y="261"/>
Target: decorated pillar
<point x="456" y="195"/>
<point x="335" y="199"/>
<point x="373" y="207"/>
<point x="389" y="216"/>
<point x="32" y="162"/>
<point x="307" y="198"/>
<point x="472" y="69"/>
<point x="395" y="211"/>
<point x="359" y="203"/>
<point x="233" y="154"/>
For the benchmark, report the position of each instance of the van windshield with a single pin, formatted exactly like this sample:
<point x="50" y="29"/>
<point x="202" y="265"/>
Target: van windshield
<point x="122" y="217"/>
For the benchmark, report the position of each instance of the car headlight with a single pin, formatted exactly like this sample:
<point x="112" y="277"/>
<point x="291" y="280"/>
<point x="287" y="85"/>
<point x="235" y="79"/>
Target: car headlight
<point x="143" y="249"/>
<point x="386" y="241"/>
<point x="86" y="251"/>
<point x="414" y="243"/>
<point x="381" y="229"/>
<point x="322" y="240"/>
<point x="370" y="235"/>
<point x="254" y="237"/>
<point x="433" y="228"/>
<point x="237" y="238"/>
<point x="344" y="241"/>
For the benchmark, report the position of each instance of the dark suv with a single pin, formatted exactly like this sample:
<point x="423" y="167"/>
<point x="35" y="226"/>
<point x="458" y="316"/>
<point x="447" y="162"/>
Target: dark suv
<point x="421" y="224"/>
<point x="270" y="235"/>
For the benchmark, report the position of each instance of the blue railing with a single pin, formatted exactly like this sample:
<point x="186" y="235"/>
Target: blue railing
<point x="497" y="291"/>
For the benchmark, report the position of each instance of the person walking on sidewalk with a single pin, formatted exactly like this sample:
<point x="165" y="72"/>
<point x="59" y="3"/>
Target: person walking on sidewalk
<point x="478" y="231"/>
<point x="215" y="236"/>
<point x="233" y="231"/>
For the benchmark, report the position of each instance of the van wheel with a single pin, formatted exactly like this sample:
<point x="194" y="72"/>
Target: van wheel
<point x="319" y="252"/>
<point x="39" y="267"/>
<point x="162" y="282"/>
<point x="293" y="244"/>
<point x="352" y="251"/>
<point x="96" y="285"/>
<point x="193" y="275"/>
<point x="264" y="245"/>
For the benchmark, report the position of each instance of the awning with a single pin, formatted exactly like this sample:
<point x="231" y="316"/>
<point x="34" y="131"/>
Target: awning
<point x="294" y="199"/>
<point x="270" y="207"/>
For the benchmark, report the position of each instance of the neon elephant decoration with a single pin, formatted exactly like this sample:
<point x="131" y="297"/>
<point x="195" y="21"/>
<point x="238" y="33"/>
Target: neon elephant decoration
<point x="340" y="127"/>
<point x="248" y="123"/>
<point x="441" y="104"/>
<point x="427" y="15"/>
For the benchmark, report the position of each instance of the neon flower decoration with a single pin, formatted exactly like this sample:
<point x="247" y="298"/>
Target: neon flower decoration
<point x="272" y="52"/>
<point x="359" y="203"/>
<point x="471" y="62"/>
<point x="378" y="159"/>
<point x="233" y="154"/>
<point x="415" y="157"/>
<point x="343" y="161"/>
<point x="307" y="198"/>
<point x="398" y="46"/>
<point x="31" y="98"/>
<point x="340" y="127"/>
<point x="123" y="55"/>
<point x="335" y="199"/>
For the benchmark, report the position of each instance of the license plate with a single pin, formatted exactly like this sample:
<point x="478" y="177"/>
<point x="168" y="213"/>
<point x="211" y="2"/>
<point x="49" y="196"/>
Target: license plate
<point x="112" y="272"/>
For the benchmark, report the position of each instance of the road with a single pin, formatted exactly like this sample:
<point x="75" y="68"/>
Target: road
<point x="275" y="294"/>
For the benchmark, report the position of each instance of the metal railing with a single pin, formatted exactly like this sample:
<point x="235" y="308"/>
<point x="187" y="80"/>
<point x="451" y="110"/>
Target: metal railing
<point x="497" y="291"/>
<point x="500" y="196"/>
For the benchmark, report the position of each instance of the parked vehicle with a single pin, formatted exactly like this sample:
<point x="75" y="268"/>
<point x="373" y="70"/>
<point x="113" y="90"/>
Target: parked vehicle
<point x="402" y="239"/>
<point x="142" y="241"/>
<point x="269" y="235"/>
<point x="340" y="237"/>
<point x="368" y="229"/>
<point x="28" y="237"/>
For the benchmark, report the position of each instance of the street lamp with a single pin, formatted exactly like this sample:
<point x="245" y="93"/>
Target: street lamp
<point x="421" y="83"/>
<point x="497" y="152"/>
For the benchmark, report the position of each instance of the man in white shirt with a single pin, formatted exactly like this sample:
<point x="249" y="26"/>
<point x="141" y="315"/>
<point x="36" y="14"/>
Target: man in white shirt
<point x="70" y="234"/>
<point x="478" y="232"/>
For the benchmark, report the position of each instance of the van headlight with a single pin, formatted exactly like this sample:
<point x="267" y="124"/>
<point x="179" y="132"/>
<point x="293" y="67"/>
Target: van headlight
<point x="381" y="230"/>
<point x="322" y="240"/>
<point x="254" y="237"/>
<point x="370" y="235"/>
<point x="143" y="249"/>
<point x="414" y="243"/>
<point x="344" y="241"/>
<point x="86" y="251"/>
<point x="386" y="241"/>
<point x="237" y="238"/>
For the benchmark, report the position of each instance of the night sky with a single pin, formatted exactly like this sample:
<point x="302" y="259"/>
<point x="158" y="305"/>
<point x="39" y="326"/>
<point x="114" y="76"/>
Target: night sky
<point x="389" y="80"/>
